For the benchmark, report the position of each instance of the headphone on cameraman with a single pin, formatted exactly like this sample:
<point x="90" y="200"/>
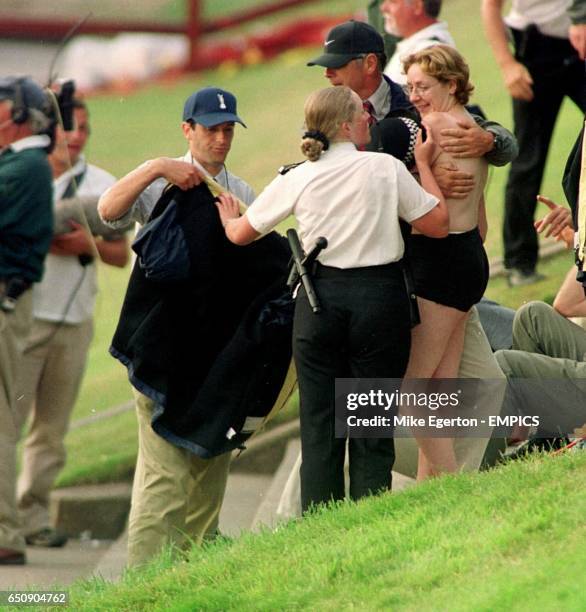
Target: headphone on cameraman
<point x="20" y="113"/>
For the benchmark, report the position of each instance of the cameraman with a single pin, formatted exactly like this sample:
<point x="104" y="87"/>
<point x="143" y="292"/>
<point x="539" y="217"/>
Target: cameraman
<point x="26" y="225"/>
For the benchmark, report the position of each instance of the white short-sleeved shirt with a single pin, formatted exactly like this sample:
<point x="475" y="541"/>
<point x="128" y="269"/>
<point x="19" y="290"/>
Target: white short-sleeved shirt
<point x="142" y="208"/>
<point x="550" y="16"/>
<point x="352" y="198"/>
<point x="63" y="274"/>
<point x="435" y="34"/>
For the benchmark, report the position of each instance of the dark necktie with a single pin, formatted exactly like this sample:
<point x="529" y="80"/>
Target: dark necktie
<point x="369" y="108"/>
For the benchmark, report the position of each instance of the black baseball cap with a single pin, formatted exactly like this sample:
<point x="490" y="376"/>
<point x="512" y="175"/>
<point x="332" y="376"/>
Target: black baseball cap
<point x="348" y="41"/>
<point x="211" y="106"/>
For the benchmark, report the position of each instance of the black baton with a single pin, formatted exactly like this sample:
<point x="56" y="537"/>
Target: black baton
<point x="302" y="264"/>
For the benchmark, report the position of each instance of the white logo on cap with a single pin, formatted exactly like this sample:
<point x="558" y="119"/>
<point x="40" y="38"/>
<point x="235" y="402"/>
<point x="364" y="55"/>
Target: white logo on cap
<point x="328" y="42"/>
<point x="221" y="101"/>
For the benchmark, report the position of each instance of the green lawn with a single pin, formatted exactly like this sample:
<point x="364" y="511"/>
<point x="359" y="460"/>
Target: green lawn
<point x="508" y="539"/>
<point x="129" y="128"/>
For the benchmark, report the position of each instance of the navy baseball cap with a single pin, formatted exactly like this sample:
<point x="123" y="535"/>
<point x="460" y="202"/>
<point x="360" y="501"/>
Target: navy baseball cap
<point x="348" y="41"/>
<point x="32" y="94"/>
<point x="211" y="106"/>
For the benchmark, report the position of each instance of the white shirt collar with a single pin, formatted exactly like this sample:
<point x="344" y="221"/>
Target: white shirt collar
<point x="339" y="147"/>
<point x="38" y="141"/>
<point x="381" y="100"/>
<point x="77" y="168"/>
<point x="436" y="33"/>
<point x="188" y="157"/>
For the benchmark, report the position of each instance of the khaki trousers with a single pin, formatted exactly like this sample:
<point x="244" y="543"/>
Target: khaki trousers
<point x="478" y="361"/>
<point x="547" y="346"/>
<point x="176" y="495"/>
<point x="14" y="328"/>
<point x="49" y="381"/>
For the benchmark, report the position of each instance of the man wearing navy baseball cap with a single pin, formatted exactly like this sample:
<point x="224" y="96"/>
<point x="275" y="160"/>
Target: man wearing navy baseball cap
<point x="176" y="495"/>
<point x="209" y="118"/>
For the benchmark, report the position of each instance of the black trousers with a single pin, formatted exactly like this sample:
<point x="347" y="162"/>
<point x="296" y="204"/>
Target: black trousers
<point x="363" y="331"/>
<point x="557" y="72"/>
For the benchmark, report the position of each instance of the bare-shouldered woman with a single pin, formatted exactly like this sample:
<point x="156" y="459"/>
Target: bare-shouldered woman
<point x="450" y="273"/>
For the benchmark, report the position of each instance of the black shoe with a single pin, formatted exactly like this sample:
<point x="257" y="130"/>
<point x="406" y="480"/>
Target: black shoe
<point x="47" y="537"/>
<point x="8" y="556"/>
<point x="536" y="445"/>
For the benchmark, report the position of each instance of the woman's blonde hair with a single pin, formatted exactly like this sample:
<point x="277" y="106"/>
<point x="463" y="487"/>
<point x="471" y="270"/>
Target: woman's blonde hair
<point x="445" y="64"/>
<point x="325" y="111"/>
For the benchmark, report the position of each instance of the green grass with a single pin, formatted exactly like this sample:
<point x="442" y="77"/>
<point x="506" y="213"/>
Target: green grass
<point x="104" y="451"/>
<point x="554" y="270"/>
<point x="510" y="539"/>
<point x="129" y="128"/>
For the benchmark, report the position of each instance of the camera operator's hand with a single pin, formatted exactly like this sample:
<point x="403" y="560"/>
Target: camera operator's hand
<point x="76" y="242"/>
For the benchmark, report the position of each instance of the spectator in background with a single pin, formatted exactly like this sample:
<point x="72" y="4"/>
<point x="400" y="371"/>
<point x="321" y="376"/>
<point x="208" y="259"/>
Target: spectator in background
<point x="57" y="346"/>
<point x="375" y="19"/>
<point x="548" y="346"/>
<point x="25" y="234"/>
<point x="547" y="65"/>
<point x="415" y="21"/>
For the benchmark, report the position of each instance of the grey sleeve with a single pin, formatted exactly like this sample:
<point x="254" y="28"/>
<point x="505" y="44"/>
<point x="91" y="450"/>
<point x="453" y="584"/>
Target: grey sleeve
<point x="505" y="145"/>
<point x="577" y="12"/>
<point x="141" y="209"/>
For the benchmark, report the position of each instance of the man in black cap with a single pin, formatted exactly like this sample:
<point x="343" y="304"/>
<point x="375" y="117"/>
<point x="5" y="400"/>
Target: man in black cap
<point x="354" y="56"/>
<point x="176" y="495"/>
<point x="26" y="226"/>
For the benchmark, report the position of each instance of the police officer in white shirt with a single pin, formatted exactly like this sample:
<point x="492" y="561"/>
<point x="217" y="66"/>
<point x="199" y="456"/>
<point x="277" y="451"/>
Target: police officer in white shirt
<point x="355" y="200"/>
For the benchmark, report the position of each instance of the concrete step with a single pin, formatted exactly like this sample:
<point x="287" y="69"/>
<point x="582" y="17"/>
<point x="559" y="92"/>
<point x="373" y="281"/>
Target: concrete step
<point x="86" y="557"/>
<point x="49" y="566"/>
<point x="244" y="494"/>
<point x="97" y="511"/>
<point x="101" y="511"/>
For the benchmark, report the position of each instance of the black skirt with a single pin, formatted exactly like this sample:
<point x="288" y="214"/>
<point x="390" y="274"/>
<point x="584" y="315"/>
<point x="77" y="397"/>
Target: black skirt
<point x="452" y="271"/>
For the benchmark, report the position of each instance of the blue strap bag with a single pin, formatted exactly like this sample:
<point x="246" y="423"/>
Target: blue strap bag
<point x="161" y="248"/>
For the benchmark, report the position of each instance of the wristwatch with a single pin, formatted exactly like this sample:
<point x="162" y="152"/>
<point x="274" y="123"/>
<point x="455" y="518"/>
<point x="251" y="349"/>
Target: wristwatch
<point x="497" y="142"/>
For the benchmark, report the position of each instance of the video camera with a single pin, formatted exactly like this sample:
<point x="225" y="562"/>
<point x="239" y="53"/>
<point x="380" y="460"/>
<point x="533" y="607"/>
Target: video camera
<point x="65" y="95"/>
<point x="61" y="113"/>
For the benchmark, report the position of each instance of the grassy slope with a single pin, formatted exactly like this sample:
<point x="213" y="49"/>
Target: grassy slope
<point x="506" y="539"/>
<point x="129" y="128"/>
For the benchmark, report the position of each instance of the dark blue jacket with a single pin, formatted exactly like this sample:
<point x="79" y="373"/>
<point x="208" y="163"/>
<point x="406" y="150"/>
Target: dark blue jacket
<point x="210" y="346"/>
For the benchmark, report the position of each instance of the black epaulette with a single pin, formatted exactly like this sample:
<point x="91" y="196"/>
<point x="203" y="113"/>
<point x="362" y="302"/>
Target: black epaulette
<point x="284" y="169"/>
